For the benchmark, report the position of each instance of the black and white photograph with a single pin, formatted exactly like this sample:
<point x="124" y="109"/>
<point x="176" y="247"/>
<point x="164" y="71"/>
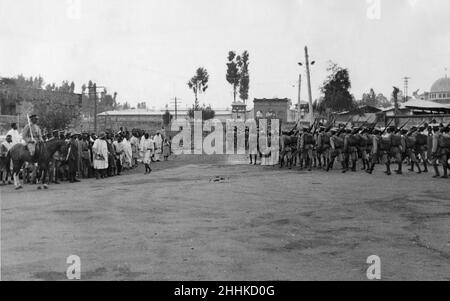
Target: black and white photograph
<point x="235" y="141"/>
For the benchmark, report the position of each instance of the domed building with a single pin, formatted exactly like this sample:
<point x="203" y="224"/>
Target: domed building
<point x="440" y="91"/>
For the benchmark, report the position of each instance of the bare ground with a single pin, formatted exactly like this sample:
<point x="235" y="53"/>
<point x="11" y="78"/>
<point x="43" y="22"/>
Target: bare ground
<point x="212" y="220"/>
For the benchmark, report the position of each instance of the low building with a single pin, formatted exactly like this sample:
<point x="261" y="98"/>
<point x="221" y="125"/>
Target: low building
<point x="272" y="108"/>
<point x="150" y="119"/>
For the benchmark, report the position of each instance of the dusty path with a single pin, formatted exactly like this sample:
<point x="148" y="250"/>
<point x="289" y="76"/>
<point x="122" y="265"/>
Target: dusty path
<point x="257" y="223"/>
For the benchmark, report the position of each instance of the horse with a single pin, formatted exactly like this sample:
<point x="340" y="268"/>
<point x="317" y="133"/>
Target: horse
<point x="19" y="154"/>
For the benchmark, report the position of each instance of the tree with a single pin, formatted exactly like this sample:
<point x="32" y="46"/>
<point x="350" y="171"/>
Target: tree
<point x="238" y="75"/>
<point x="55" y="115"/>
<point x="233" y="76"/>
<point x="370" y="99"/>
<point x="199" y="84"/>
<point x="207" y="112"/>
<point x="383" y="101"/>
<point x="244" y="83"/>
<point x="336" y="94"/>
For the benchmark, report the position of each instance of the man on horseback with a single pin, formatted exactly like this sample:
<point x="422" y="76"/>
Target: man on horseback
<point x="32" y="134"/>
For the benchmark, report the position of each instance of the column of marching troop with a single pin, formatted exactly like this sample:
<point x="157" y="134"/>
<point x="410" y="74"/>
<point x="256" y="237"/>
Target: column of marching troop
<point x="323" y="147"/>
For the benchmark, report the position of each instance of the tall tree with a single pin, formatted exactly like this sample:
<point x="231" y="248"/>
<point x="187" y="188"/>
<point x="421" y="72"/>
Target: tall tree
<point x="233" y="76"/>
<point x="199" y="84"/>
<point x="336" y="90"/>
<point x="370" y="99"/>
<point x="244" y="76"/>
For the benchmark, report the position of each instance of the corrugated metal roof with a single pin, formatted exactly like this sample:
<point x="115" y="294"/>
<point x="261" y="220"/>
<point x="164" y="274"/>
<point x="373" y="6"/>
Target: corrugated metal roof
<point x="420" y="104"/>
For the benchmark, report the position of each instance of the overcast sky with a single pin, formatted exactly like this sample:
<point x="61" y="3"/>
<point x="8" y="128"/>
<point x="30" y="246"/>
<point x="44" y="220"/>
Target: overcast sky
<point x="147" y="50"/>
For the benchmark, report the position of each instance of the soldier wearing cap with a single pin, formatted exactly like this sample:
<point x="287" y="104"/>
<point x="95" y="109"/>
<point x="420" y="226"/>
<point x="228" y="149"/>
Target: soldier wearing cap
<point x="32" y="134"/>
<point x="337" y="146"/>
<point x="375" y="149"/>
<point x="440" y="149"/>
<point x="444" y="145"/>
<point x="323" y="147"/>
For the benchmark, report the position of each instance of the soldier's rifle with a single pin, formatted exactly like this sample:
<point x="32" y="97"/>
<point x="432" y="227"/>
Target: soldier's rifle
<point x="29" y="125"/>
<point x="345" y="126"/>
<point x="403" y="126"/>
<point x="330" y="124"/>
<point x="360" y="128"/>
<point x="313" y="125"/>
<point x="387" y="126"/>
<point x="417" y="128"/>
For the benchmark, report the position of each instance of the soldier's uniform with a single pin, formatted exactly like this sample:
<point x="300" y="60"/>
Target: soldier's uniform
<point x="306" y="147"/>
<point x="32" y="134"/>
<point x="323" y="147"/>
<point x="444" y="146"/>
<point x="397" y="149"/>
<point x="364" y="147"/>
<point x="375" y="139"/>
<point x="435" y="151"/>
<point x="422" y="147"/>
<point x="337" y="146"/>
<point x="351" y="150"/>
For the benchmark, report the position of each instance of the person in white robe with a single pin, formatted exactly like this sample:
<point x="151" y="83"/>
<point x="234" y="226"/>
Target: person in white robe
<point x="134" y="141"/>
<point x="127" y="156"/>
<point x="158" y="146"/>
<point x="148" y="148"/>
<point x="100" y="151"/>
<point x="15" y="135"/>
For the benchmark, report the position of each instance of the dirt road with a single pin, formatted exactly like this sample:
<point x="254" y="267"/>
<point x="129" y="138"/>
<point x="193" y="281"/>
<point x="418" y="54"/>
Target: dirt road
<point x="220" y="221"/>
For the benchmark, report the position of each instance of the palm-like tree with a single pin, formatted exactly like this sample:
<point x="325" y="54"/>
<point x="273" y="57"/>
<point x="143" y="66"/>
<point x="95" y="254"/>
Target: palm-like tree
<point x="199" y="83"/>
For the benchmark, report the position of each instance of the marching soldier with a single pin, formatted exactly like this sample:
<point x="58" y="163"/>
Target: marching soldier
<point x="337" y="146"/>
<point x="397" y="148"/>
<point x="375" y="139"/>
<point x="444" y="144"/>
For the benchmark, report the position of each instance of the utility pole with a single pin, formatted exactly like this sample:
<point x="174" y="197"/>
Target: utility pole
<point x="92" y="91"/>
<point x="299" y="98"/>
<point x="308" y="77"/>
<point x="95" y="107"/>
<point x="406" y="83"/>
<point x="176" y="102"/>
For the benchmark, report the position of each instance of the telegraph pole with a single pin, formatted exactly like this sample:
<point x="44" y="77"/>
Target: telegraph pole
<point x="176" y="102"/>
<point x="406" y="83"/>
<point x="308" y="77"/>
<point x="299" y="98"/>
<point x="95" y="108"/>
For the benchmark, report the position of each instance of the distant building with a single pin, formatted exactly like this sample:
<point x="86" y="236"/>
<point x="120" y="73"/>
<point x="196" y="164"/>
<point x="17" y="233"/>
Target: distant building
<point x="149" y="119"/>
<point x="239" y="110"/>
<point x="272" y="108"/>
<point x="440" y="91"/>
